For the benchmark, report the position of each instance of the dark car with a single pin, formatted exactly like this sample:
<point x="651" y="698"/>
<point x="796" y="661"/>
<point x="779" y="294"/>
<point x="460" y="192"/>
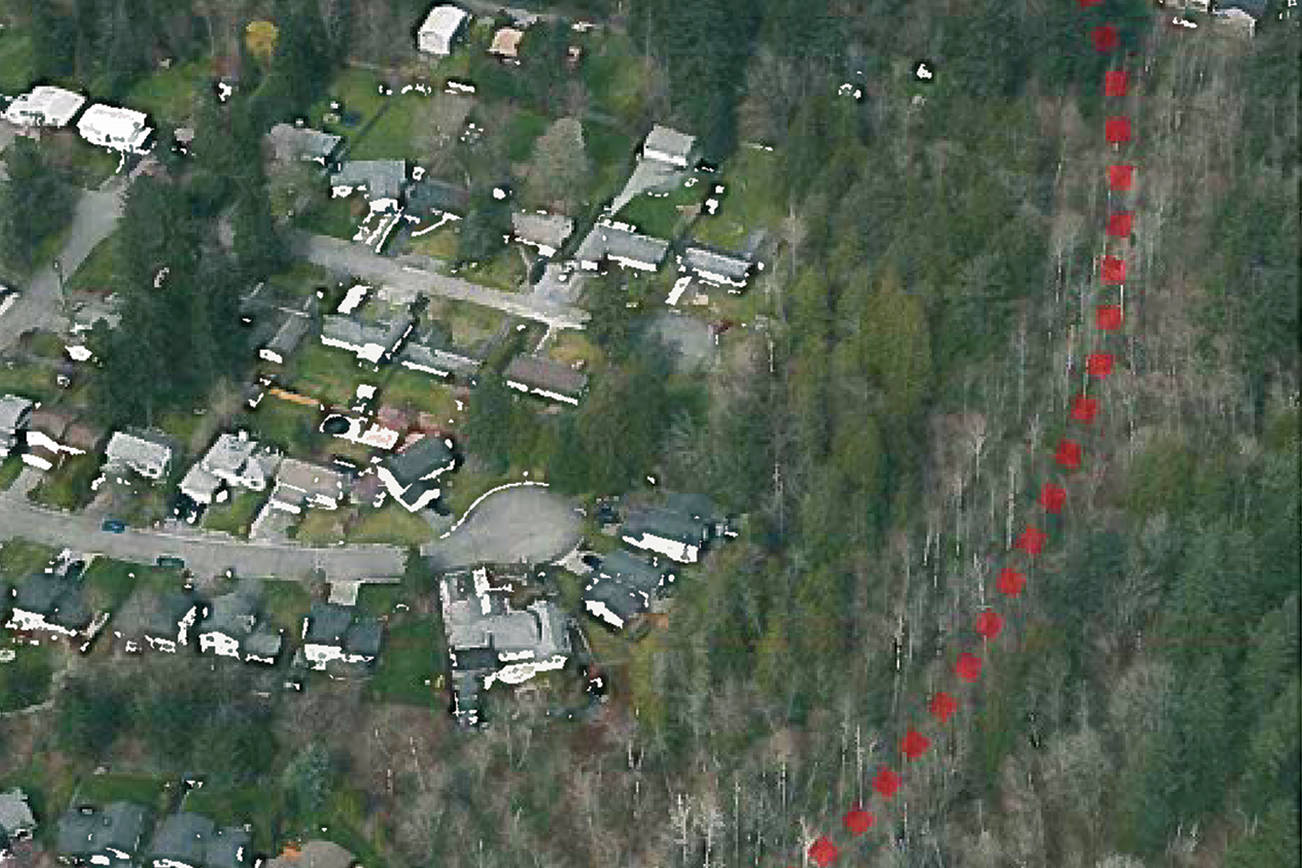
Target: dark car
<point x="591" y="560"/>
<point x="607" y="514"/>
<point x="113" y="525"/>
<point x="170" y="562"/>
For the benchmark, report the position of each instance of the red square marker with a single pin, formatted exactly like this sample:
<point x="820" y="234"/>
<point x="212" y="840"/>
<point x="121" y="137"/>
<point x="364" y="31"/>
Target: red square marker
<point x="886" y="782"/>
<point x="1098" y="364"/>
<point x="857" y="821"/>
<point x="1114" y="82"/>
<point x="823" y="853"/>
<point x="1084" y="409"/>
<point x="1068" y="454"/>
<point x="1010" y="582"/>
<point x="1085" y="4"/>
<point x="1105" y="37"/>
<point x="1114" y="270"/>
<point x="915" y="744"/>
<point x="1108" y="317"/>
<point x="1117" y="130"/>
<point x="968" y="667"/>
<point x="1120" y="224"/>
<point x="1031" y="541"/>
<point x="1052" y="497"/>
<point x="988" y="624"/>
<point x="942" y="706"/>
<point x="1121" y="177"/>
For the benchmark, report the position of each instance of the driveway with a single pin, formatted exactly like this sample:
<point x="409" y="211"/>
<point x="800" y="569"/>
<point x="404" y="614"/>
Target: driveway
<point x="39" y="306"/>
<point x="207" y="554"/>
<point x="525" y="523"/>
<point x="347" y="257"/>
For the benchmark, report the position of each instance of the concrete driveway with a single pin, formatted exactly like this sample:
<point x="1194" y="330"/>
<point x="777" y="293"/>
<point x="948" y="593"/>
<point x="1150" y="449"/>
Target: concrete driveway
<point x="412" y="274"/>
<point x="39" y="306"/>
<point x="207" y="554"/>
<point x="526" y="523"/>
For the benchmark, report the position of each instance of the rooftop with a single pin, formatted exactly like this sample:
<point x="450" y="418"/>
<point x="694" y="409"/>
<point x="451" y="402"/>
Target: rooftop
<point x="383" y="179"/>
<point x="548" y="230"/>
<point x="420" y="459"/>
<point x="667" y="140"/>
<point x="13" y="409"/>
<point x="45" y="105"/>
<point x="606" y="240"/>
<point x="183" y="838"/>
<point x="545" y="373"/>
<point x="289" y="142"/>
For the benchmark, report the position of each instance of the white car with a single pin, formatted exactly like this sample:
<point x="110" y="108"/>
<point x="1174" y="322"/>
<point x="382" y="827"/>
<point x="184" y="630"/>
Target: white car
<point x="7" y="298"/>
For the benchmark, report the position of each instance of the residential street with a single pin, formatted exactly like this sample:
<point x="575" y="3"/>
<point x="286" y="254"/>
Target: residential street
<point x="508" y="526"/>
<point x="347" y="257"/>
<point x="97" y="214"/>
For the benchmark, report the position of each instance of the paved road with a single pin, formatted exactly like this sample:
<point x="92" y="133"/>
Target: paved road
<point x="530" y="523"/>
<point x="96" y="215"/>
<point x="206" y="554"/>
<point x="345" y="256"/>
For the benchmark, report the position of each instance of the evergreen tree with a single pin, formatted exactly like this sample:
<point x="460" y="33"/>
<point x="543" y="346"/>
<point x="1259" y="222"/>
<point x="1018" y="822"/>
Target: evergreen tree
<point x="488" y="422"/>
<point x="34" y="203"/>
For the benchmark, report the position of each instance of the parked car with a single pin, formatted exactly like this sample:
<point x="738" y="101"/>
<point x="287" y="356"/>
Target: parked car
<point x="113" y="525"/>
<point x="171" y="562"/>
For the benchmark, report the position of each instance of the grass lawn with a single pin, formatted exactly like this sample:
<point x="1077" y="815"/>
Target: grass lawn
<point x="168" y="94"/>
<point x="67" y="486"/>
<point x="440" y="244"/>
<point x="16" y="70"/>
<point x="421" y="392"/>
<point x="393" y="135"/>
<point x="570" y="346"/>
<point x="141" y="789"/>
<point x="236" y="515"/>
<point x="83" y="164"/>
<point x="25" y="680"/>
<point x="30" y="381"/>
<point x="9" y="470"/>
<point x="109" y="582"/>
<point x="614" y="76"/>
<point x="469" y="324"/>
<point x="338" y="218"/>
<point x="299" y="279"/>
<point x="659" y="215"/>
<point x="390" y="524"/>
<point x="748" y="179"/>
<point x="235" y="806"/>
<point x="611" y="152"/>
<point x="523" y="130"/>
<point x="411" y="656"/>
<point x="95" y="274"/>
<point x="504" y="271"/>
<point x="18" y="558"/>
<point x="358" y="90"/>
<point x="328" y="374"/>
<point x="376" y="600"/>
<point x="284" y="424"/>
<point x="285" y="603"/>
<point x="321" y="527"/>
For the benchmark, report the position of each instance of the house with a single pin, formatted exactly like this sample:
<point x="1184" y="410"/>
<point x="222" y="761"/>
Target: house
<point x="16" y="820"/>
<point x="181" y="841"/>
<point x="171" y="619"/>
<point x="383" y="182"/>
<point x="431" y="353"/>
<point x="228" y="847"/>
<point x="108" y="837"/>
<point x="624" y="587"/>
<point x="440" y="28"/>
<point x="300" y="485"/>
<point x="314" y="854"/>
<point x="665" y="145"/>
<point x="45" y="106"/>
<point x="53" y="436"/>
<point x="115" y="128"/>
<point x="372" y="332"/>
<point x="229" y="628"/>
<point x="547" y="378"/>
<point x="15" y="415"/>
<point x="667" y="532"/>
<point x="411" y="476"/>
<point x="714" y="267"/>
<point x="290" y="143"/>
<point x="286" y="340"/>
<point x="540" y="230"/>
<point x="234" y="461"/>
<point x="489" y="641"/>
<point x="333" y="634"/>
<point x="620" y="244"/>
<point x="145" y="453"/>
<point x="506" y="45"/>
<point x="49" y="603"/>
<point x="429" y="195"/>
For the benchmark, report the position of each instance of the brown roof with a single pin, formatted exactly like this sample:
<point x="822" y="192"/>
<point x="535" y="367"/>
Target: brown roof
<point x="82" y="435"/>
<point x="544" y="373"/>
<point x="50" y="421"/>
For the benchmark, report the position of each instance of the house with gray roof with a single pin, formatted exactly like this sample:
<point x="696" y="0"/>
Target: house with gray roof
<point x="16" y="820"/>
<point x="333" y="635"/>
<point x="170" y="620"/>
<point x="430" y="196"/>
<point x="102" y="837"/>
<point x="145" y="453"/>
<point x="383" y="182"/>
<point x="547" y="378"/>
<point x="233" y="460"/>
<point x="15" y="412"/>
<point x="624" y="586"/>
<point x="290" y="143"/>
<point x="544" y="232"/>
<point x="667" y="145"/>
<point x="229" y="847"/>
<point x="300" y="485"/>
<point x="286" y="339"/>
<point x="667" y="532"/>
<point x="715" y="267"/>
<point x="411" y="476"/>
<point x="181" y="841"/>
<point x="620" y="244"/>
<point x="49" y="603"/>
<point x="373" y="330"/>
<point x="230" y="627"/>
<point x="490" y="641"/>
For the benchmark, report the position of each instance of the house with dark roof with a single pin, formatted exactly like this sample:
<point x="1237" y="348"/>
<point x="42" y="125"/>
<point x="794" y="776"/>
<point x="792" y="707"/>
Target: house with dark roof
<point x="229" y="627"/>
<point x="432" y="196"/>
<point x="431" y="352"/>
<point x="624" y="586"/>
<point x="49" y="603"/>
<point x="229" y="847"/>
<point x="103" y="837"/>
<point x="334" y="635"/>
<point x="411" y="476"/>
<point x="667" y="532"/>
<point x="715" y="267"/>
<point x="16" y="820"/>
<point x="171" y="620"/>
<point x="620" y="244"/>
<point x="371" y="330"/>
<point x="286" y="339"/>
<point x="547" y="378"/>
<point x="181" y="841"/>
<point x="383" y="182"/>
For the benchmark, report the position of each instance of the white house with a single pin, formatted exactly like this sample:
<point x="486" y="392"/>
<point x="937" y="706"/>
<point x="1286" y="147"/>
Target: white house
<point x="440" y="28"/>
<point x="147" y="456"/>
<point x="45" y="106"/>
<point x="233" y="460"/>
<point x="115" y="128"/>
<point x="666" y="145"/>
<point x="300" y="485"/>
<point x="15" y="412"/>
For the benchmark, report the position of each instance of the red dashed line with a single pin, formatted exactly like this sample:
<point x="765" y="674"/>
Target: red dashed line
<point x="1068" y="455"/>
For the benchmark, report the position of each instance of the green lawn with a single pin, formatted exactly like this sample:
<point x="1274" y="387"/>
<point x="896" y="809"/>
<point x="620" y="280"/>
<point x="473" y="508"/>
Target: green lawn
<point x="321" y="527"/>
<point x="338" y="218"/>
<point x="748" y="178"/>
<point x="440" y="244"/>
<point x="68" y="486"/>
<point x="504" y="271"/>
<point x="412" y="654"/>
<point x="326" y="373"/>
<point x="614" y="77"/>
<point x="109" y="582"/>
<point x="235" y="806"/>
<point x="394" y="134"/>
<point x="284" y="604"/>
<point x="236" y="515"/>
<point x="282" y="423"/>
<point x="18" y="558"/>
<point x="143" y="790"/>
<point x="31" y="381"/>
<point x="358" y="90"/>
<point x="523" y="130"/>
<point x="407" y="389"/>
<point x="168" y="94"/>
<point x="376" y="600"/>
<point x="16" y="66"/>
<point x="390" y="524"/>
<point x="9" y="470"/>
<point x="25" y="680"/>
<point x="95" y="274"/>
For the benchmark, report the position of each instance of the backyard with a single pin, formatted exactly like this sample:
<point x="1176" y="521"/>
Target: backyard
<point x="25" y="680"/>
<point x="409" y="665"/>
<point x="749" y="179"/>
<point x="168" y="94"/>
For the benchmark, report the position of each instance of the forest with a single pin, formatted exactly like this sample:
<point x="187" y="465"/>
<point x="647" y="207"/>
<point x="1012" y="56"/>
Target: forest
<point x="931" y="308"/>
